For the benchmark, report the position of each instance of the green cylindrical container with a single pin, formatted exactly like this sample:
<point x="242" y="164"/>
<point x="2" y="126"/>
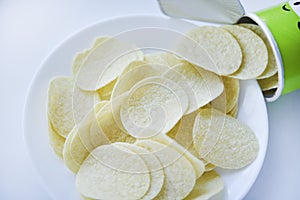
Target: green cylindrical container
<point x="281" y="24"/>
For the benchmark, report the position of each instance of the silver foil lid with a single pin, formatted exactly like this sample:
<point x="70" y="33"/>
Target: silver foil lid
<point x="216" y="11"/>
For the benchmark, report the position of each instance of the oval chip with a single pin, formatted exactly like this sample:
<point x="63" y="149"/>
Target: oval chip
<point x="197" y="164"/>
<point x="105" y="63"/>
<point x="201" y="86"/>
<point x="154" y="105"/>
<point x="81" y="56"/>
<point x="136" y="74"/>
<point x="166" y="59"/>
<point x="60" y="111"/>
<point x="68" y="104"/>
<point x="105" y="130"/>
<point x="229" y="97"/>
<point x="56" y="141"/>
<point x="179" y="173"/>
<point x="154" y="166"/>
<point x="112" y="173"/>
<point x="268" y="83"/>
<point x="255" y="53"/>
<point x="236" y="145"/>
<point x="68" y="159"/>
<point x="212" y="48"/>
<point x="271" y="68"/>
<point x="207" y="186"/>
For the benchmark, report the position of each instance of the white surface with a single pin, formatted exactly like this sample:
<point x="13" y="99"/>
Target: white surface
<point x="30" y="29"/>
<point x="134" y="31"/>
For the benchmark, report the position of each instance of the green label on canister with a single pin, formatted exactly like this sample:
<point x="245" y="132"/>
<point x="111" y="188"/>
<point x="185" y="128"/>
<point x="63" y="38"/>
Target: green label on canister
<point x="283" y="22"/>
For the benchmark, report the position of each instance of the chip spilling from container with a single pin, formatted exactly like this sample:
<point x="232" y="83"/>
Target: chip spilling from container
<point x="157" y="125"/>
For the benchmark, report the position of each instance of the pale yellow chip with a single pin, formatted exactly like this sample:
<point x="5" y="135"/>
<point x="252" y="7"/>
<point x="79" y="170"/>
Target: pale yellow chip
<point x="60" y="111"/>
<point x="78" y="143"/>
<point x="133" y="76"/>
<point x="133" y="65"/>
<point x="105" y="63"/>
<point x="237" y="145"/>
<point x="111" y="173"/>
<point x="105" y="130"/>
<point x="82" y="103"/>
<point x="154" y="105"/>
<point x="229" y="97"/>
<point x="206" y="186"/>
<point x="56" y="141"/>
<point x="269" y="83"/>
<point x="166" y="59"/>
<point x="85" y="198"/>
<point x="212" y="48"/>
<point x="179" y="173"/>
<point x="154" y="166"/>
<point x="84" y="126"/>
<point x="201" y="86"/>
<point x="182" y="132"/>
<point x="209" y="167"/>
<point x="67" y="104"/>
<point x="105" y="92"/>
<point x="197" y="164"/>
<point x="81" y="56"/>
<point x="68" y="159"/>
<point x="78" y="152"/>
<point x="207" y="129"/>
<point x="234" y="111"/>
<point x="271" y="68"/>
<point x="255" y="53"/>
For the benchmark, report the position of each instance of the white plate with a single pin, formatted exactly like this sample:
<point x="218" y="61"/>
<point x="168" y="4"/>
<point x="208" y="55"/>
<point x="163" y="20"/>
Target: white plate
<point x="57" y="179"/>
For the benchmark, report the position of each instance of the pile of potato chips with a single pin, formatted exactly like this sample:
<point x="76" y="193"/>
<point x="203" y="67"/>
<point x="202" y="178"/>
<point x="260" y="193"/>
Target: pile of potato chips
<point x="139" y="125"/>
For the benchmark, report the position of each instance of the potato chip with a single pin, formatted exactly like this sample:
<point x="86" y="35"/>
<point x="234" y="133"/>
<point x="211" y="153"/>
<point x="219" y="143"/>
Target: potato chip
<point x="105" y="92"/>
<point x="209" y="167"/>
<point x="154" y="166"/>
<point x="234" y="111"/>
<point x="269" y="83"/>
<point x="207" y="129"/>
<point x="271" y="68"/>
<point x="197" y="164"/>
<point x="182" y="132"/>
<point x="78" y="143"/>
<point x="83" y="128"/>
<point x="206" y="186"/>
<point x="56" y="141"/>
<point x="80" y="57"/>
<point x="133" y="65"/>
<point x="67" y="104"/>
<point x="83" y="103"/>
<point x="111" y="173"/>
<point x="237" y="145"/>
<point x="200" y="85"/>
<point x="133" y="76"/>
<point x="105" y="130"/>
<point x="166" y="59"/>
<point x="154" y="105"/>
<point x="229" y="97"/>
<point x="105" y="63"/>
<point x="85" y="198"/>
<point x="179" y="173"/>
<point x="68" y="159"/>
<point x="78" y="152"/>
<point x="212" y="48"/>
<point x="60" y="111"/>
<point x="255" y="53"/>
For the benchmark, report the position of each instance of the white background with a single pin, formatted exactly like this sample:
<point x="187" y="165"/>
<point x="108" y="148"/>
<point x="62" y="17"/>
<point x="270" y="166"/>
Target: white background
<point x="30" y="29"/>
